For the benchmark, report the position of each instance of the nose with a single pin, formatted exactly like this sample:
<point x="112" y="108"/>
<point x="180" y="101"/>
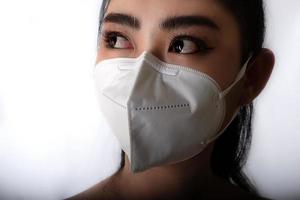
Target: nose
<point x="154" y="45"/>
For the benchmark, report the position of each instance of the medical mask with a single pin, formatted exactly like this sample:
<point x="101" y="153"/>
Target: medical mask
<point x="161" y="113"/>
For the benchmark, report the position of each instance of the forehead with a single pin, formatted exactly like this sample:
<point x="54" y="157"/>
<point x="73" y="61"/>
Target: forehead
<point x="156" y="10"/>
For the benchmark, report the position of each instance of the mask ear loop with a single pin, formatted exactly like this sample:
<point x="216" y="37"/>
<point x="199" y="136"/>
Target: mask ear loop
<point x="238" y="78"/>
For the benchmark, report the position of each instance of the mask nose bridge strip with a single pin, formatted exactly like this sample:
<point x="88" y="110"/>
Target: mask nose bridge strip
<point x="131" y="63"/>
<point x="145" y="57"/>
<point x="161" y="68"/>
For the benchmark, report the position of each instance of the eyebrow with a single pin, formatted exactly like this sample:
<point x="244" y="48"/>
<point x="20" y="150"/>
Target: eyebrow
<point x="186" y="21"/>
<point x="170" y="23"/>
<point x="123" y="19"/>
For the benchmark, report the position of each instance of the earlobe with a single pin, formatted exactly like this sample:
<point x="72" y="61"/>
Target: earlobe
<point x="257" y="75"/>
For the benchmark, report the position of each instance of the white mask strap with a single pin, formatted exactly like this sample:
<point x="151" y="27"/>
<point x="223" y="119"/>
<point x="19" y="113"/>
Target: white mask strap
<point x="238" y="78"/>
<point x="222" y="131"/>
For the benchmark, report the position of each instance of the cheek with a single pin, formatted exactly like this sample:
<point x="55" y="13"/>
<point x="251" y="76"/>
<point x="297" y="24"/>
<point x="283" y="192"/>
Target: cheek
<point x="228" y="54"/>
<point x="103" y="53"/>
<point x="227" y="62"/>
<point x="100" y="55"/>
<point x="233" y="100"/>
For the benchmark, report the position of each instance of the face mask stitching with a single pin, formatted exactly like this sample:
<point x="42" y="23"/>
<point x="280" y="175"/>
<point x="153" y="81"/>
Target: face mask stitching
<point x="166" y="107"/>
<point x="142" y="118"/>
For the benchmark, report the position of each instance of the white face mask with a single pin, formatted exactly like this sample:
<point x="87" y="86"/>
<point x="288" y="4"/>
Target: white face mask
<point x="161" y="113"/>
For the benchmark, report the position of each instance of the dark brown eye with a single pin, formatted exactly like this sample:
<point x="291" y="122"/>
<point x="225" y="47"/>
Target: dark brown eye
<point x="115" y="40"/>
<point x="187" y="45"/>
<point x="178" y="46"/>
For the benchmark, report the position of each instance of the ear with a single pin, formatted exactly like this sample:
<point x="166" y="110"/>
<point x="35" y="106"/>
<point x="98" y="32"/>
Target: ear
<point x="257" y="75"/>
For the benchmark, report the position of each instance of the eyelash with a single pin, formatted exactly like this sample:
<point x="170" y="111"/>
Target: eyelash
<point x="107" y="35"/>
<point x="202" y="47"/>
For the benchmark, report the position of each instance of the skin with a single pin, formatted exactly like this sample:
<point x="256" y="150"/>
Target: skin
<point x="190" y="179"/>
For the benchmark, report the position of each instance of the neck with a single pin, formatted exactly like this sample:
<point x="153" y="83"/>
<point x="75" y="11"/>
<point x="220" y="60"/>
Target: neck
<point x="187" y="177"/>
<point x="190" y="179"/>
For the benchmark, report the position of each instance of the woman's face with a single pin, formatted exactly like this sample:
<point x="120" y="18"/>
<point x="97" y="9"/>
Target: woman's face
<point x="200" y="34"/>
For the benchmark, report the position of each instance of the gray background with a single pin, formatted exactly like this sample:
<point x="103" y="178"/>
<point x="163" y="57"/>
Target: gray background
<point x="53" y="142"/>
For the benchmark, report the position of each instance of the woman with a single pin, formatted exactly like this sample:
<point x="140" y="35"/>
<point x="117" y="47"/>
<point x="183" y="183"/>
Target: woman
<point x="176" y="81"/>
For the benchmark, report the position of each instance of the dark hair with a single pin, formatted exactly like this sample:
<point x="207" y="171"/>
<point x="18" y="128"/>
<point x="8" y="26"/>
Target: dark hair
<point x="231" y="148"/>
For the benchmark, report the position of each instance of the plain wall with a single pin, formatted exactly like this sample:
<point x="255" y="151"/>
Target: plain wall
<point x="53" y="141"/>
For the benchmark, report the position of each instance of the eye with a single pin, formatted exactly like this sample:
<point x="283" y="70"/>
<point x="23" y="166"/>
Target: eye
<point x="188" y="45"/>
<point x="115" y="40"/>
